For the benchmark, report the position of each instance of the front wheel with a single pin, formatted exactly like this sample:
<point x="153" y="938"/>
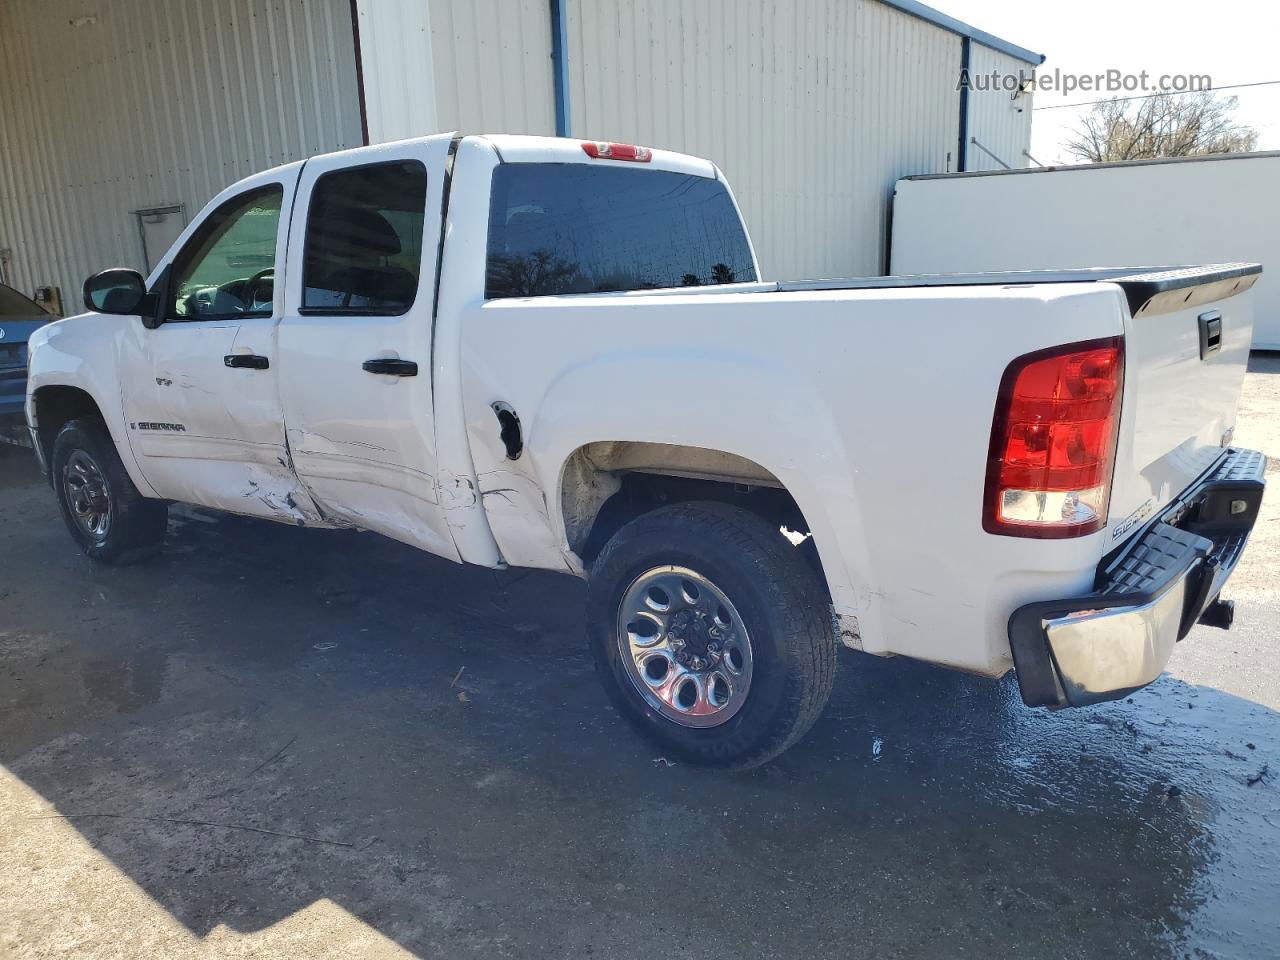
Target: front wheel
<point x="107" y="516"/>
<point x="712" y="633"/>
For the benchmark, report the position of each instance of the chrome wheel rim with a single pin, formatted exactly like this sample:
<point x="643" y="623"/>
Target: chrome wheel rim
<point x="684" y="646"/>
<point x="88" y="495"/>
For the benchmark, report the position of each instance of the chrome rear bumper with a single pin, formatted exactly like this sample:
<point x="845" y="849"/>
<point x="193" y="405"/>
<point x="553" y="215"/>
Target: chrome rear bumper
<point x="1108" y="643"/>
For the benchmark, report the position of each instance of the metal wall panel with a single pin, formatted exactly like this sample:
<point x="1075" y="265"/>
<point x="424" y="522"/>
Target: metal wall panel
<point x="998" y="120"/>
<point x="127" y="104"/>
<point x="398" y="69"/>
<point x="493" y="66"/>
<point x="812" y="108"/>
<point x="486" y="67"/>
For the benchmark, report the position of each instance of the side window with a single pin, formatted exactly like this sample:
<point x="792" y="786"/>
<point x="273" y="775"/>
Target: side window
<point x="363" y="248"/>
<point x="227" y="268"/>
<point x="581" y="228"/>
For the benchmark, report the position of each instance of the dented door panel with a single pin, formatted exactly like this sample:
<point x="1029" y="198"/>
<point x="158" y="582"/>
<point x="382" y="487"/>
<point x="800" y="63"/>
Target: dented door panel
<point x="173" y="376"/>
<point x="208" y="434"/>
<point x="358" y="413"/>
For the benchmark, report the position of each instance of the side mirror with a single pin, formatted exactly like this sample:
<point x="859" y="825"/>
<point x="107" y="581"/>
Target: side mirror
<point x="117" y="290"/>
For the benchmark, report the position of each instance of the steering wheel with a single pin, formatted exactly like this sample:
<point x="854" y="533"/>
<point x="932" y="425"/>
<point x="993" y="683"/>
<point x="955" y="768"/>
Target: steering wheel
<point x="251" y="286"/>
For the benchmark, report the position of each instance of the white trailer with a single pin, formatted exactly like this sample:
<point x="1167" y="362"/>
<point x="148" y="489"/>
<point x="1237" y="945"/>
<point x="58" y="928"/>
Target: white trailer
<point x="1178" y="211"/>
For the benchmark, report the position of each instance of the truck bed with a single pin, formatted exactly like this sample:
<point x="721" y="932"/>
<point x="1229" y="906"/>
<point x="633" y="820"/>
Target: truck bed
<point x="1148" y="290"/>
<point x="870" y="400"/>
<point x="1142" y="285"/>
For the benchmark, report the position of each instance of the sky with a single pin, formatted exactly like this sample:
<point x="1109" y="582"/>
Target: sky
<point x="1233" y="41"/>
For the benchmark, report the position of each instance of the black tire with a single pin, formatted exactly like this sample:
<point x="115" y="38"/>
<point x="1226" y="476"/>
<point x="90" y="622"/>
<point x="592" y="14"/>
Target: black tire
<point x="780" y="599"/>
<point x="135" y="526"/>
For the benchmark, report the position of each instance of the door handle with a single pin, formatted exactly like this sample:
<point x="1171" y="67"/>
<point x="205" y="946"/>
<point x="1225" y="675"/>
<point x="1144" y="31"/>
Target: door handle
<point x="246" y="361"/>
<point x="1210" y="333"/>
<point x="396" y="368"/>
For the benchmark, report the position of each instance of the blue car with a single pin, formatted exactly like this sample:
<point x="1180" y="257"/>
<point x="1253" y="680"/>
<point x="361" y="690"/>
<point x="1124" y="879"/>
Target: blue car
<point x="19" y="317"/>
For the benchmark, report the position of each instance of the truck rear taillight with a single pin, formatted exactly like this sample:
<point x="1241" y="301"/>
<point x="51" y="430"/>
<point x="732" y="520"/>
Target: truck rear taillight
<point x="1053" y="441"/>
<point x="617" y="151"/>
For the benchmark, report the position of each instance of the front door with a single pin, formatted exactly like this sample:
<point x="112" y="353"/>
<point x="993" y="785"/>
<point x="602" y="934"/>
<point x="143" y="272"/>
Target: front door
<point x="199" y="391"/>
<point x="355" y="341"/>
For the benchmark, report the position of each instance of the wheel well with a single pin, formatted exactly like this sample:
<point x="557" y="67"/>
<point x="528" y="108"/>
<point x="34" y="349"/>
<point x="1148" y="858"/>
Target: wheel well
<point x="55" y="407"/>
<point x="606" y="485"/>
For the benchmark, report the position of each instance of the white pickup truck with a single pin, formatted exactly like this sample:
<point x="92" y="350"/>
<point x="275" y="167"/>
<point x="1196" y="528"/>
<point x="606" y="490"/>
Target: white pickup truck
<point x="518" y="351"/>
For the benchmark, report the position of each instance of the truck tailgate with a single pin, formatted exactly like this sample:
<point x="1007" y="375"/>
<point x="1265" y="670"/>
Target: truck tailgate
<point x="1186" y="349"/>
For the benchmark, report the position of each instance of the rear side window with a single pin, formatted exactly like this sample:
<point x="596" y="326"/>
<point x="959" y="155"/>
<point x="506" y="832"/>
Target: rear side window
<point x="579" y="228"/>
<point x="363" y="246"/>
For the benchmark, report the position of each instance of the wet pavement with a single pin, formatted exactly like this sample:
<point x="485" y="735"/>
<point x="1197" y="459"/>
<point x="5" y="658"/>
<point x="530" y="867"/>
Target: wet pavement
<point x="278" y="742"/>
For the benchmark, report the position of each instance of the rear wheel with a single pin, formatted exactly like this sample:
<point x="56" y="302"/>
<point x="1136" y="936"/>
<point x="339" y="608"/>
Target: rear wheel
<point x="712" y="633"/>
<point x="106" y="515"/>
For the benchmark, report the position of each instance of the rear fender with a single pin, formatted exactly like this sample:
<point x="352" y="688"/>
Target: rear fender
<point x="785" y="430"/>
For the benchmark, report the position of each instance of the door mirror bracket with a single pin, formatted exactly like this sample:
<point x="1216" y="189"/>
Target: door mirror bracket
<point x="152" y="307"/>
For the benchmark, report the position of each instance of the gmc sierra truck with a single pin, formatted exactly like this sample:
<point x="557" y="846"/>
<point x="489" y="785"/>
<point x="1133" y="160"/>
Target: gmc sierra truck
<point x="521" y="351"/>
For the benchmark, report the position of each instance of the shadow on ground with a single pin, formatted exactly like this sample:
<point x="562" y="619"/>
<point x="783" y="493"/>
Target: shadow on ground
<point x="441" y="729"/>
<point x="1264" y="361"/>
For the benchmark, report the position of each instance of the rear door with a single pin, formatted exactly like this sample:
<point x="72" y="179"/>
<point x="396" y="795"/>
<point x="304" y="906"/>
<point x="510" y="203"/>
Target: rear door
<point x="355" y="341"/>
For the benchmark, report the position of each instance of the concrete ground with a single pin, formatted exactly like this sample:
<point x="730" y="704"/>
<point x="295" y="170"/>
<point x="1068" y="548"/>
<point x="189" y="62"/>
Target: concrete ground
<point x="287" y="743"/>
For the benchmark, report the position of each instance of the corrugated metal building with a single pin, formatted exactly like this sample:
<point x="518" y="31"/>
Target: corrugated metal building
<point x="120" y="119"/>
<point x="117" y="125"/>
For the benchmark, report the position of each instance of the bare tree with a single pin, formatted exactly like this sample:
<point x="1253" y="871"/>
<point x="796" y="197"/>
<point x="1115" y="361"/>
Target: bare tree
<point x="722" y="273"/>
<point x="1166" y="125"/>
<point x="534" y="275"/>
